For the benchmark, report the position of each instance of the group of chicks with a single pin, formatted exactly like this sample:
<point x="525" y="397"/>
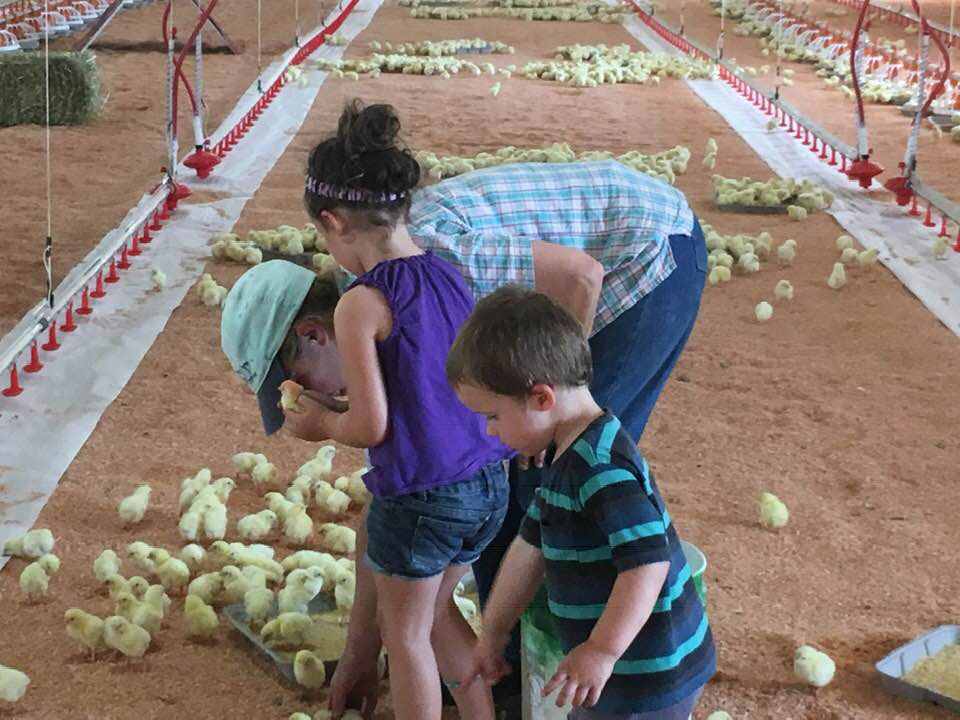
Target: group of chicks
<point x="572" y="12"/>
<point x="223" y="573"/>
<point x="595" y="65"/>
<point x="799" y="197"/>
<point x="665" y="165"/>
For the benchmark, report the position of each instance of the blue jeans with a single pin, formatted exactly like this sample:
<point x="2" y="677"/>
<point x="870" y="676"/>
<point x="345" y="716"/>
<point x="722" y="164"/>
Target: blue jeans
<point x="421" y="534"/>
<point x="632" y="359"/>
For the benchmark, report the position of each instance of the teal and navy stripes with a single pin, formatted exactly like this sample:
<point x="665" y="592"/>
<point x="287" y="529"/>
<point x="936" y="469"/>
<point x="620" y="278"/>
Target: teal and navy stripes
<point x="598" y="513"/>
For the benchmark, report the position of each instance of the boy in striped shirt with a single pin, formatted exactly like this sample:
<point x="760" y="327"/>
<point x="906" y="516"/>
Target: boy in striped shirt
<point x="636" y="636"/>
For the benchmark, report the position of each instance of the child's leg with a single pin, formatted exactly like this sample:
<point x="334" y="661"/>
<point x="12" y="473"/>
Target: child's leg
<point x="405" y="609"/>
<point x="453" y="643"/>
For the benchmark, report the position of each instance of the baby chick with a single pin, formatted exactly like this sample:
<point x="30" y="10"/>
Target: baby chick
<point x="263" y="474"/>
<point x="258" y="604"/>
<point x="297" y="525"/>
<point x="106" y="564"/>
<point x="215" y="522"/>
<point x="30" y="546"/>
<point x="720" y="715"/>
<point x="787" y="252"/>
<point x="193" y="555"/>
<point x="13" y="684"/>
<point x="278" y="504"/>
<point x="85" y="629"/>
<point x="200" y="618"/>
<point x="206" y="587"/>
<point x="338" y="538"/>
<point x="773" y="513"/>
<point x="813" y="666"/>
<point x="190" y="487"/>
<point x="34" y="581"/>
<point x="290" y="393"/>
<point x="849" y="255"/>
<point x="305" y="558"/>
<point x="344" y="591"/>
<point x="838" y="278"/>
<point x="332" y="500"/>
<point x="245" y="462"/>
<point x="116" y="584"/>
<point x="354" y="486"/>
<point x="139" y="613"/>
<point x="796" y="212"/>
<point x="133" y="507"/>
<point x="138" y="587"/>
<point x="309" y="670"/>
<point x="126" y="638"/>
<point x="237" y="582"/>
<point x="320" y="467"/>
<point x="156" y="597"/>
<point x="138" y="553"/>
<point x="174" y="575"/>
<point x="257" y="526"/>
<point x="868" y="257"/>
<point x="763" y="311"/>
<point x="158" y="279"/>
<point x="783" y="290"/>
<point x="844" y="242"/>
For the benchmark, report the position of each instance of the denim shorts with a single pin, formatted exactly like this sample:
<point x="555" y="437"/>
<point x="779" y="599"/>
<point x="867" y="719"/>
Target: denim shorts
<point x="421" y="534"/>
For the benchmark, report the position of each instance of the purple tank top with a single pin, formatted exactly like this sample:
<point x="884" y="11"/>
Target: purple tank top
<point x="432" y="438"/>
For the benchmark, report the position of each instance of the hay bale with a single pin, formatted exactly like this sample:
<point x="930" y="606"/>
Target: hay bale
<point x="74" y="88"/>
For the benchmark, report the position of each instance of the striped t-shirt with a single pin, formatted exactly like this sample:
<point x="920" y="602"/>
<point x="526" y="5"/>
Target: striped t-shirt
<point x="597" y="513"/>
<point x="484" y="223"/>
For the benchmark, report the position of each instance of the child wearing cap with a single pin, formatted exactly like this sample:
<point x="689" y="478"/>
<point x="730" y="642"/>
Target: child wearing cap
<point x="438" y="481"/>
<point x="636" y="636"/>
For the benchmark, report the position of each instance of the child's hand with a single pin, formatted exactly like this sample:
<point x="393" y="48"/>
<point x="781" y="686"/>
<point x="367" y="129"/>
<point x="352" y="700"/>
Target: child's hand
<point x="581" y="676"/>
<point x="488" y="660"/>
<point x="307" y="423"/>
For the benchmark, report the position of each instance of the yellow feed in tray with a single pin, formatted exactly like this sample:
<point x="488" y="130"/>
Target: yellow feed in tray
<point x="940" y="672"/>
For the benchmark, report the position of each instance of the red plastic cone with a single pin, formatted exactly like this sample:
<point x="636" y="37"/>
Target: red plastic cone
<point x="34" y="365"/>
<point x="14" y="388"/>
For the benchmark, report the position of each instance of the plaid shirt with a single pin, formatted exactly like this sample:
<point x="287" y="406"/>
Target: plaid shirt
<point x="484" y="222"/>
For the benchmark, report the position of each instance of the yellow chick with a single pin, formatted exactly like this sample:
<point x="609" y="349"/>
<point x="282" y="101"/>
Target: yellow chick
<point x="720" y="715"/>
<point x="749" y="262"/>
<point x="257" y="526"/>
<point x="139" y="613"/>
<point x="787" y="252"/>
<point x="338" y="538"/>
<point x="258" y="604"/>
<point x="813" y="667"/>
<point x="719" y="274"/>
<point x="354" y="486"/>
<point x="116" y="584"/>
<point x="332" y="500"/>
<point x="297" y="525"/>
<point x="138" y="553"/>
<point x="106" y="564"/>
<point x="868" y="257"/>
<point x="763" y="311"/>
<point x="320" y="467"/>
<point x="849" y="255"/>
<point x="344" y="591"/>
<point x="838" y="278"/>
<point x="796" y="212"/>
<point x="278" y="504"/>
<point x="174" y="575"/>
<point x="126" y="638"/>
<point x="85" y="629"/>
<point x="133" y="507"/>
<point x="309" y="670"/>
<point x="844" y="242"/>
<point x="940" y="247"/>
<point x="306" y="558"/>
<point x="245" y="462"/>
<point x="50" y="564"/>
<point x="773" y="513"/>
<point x="215" y="522"/>
<point x="30" y="546"/>
<point x="156" y="596"/>
<point x="194" y="556"/>
<point x="200" y="618"/>
<point x="290" y="393"/>
<point x="783" y="290"/>
<point x="13" y="684"/>
<point x="34" y="581"/>
<point x="206" y="587"/>
<point x="264" y="474"/>
<point x="138" y="587"/>
<point x="236" y="582"/>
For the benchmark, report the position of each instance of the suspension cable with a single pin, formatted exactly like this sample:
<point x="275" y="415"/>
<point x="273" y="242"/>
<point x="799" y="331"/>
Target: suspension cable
<point x="48" y="245"/>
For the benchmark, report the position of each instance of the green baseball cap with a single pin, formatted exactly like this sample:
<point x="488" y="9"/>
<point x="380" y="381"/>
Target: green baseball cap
<point x="257" y="315"/>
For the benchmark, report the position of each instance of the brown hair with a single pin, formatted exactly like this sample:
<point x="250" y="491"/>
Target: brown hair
<point x="517" y="338"/>
<point x="320" y="303"/>
<point x="365" y="154"/>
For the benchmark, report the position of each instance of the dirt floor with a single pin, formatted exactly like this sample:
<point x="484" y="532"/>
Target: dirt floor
<point x="845" y="405"/>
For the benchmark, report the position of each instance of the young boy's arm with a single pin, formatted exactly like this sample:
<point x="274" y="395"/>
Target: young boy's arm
<point x="584" y="672"/>
<point x="517" y="581"/>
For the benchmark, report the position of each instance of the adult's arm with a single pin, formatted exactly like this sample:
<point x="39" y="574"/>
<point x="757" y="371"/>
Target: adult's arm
<point x="569" y="276"/>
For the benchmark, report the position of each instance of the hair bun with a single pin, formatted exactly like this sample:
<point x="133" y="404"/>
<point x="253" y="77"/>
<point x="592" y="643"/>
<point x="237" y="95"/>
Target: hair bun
<point x="368" y="129"/>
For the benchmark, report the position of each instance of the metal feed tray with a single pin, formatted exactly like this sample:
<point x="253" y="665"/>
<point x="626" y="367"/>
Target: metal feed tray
<point x="283" y="659"/>
<point x="898" y="663"/>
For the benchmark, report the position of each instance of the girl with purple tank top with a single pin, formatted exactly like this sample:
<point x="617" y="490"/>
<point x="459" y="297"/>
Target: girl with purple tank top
<point x="438" y="482"/>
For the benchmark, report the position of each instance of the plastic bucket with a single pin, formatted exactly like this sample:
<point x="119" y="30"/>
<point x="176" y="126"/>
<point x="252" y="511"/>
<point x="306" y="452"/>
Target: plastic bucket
<point x="698" y="566"/>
